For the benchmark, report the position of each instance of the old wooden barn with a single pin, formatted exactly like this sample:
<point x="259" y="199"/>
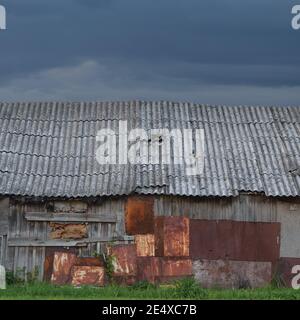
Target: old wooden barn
<point x="238" y="221"/>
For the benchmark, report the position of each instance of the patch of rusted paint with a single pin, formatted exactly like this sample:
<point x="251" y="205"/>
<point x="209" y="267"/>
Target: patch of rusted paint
<point x="89" y="261"/>
<point x="145" y="246"/>
<point x="49" y="258"/>
<point x="87" y="275"/>
<point x="148" y="268"/>
<point x="62" y="265"/>
<point x="176" y="267"/>
<point x="172" y="236"/>
<point x="139" y="216"/>
<point x="156" y="269"/>
<point x="232" y="274"/>
<point x="68" y="231"/>
<point x="234" y="240"/>
<point x="284" y="270"/>
<point x="123" y="259"/>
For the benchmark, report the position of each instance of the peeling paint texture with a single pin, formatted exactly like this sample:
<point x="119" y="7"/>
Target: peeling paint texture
<point x="62" y="265"/>
<point x="172" y="236"/>
<point x="145" y="245"/>
<point x="87" y="275"/>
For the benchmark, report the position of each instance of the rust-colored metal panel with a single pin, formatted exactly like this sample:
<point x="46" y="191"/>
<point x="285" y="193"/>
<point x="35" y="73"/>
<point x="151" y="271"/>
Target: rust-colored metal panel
<point x="62" y="265"/>
<point x="284" y="270"/>
<point x="234" y="240"/>
<point x="68" y="231"/>
<point x="145" y="246"/>
<point x="139" y="216"/>
<point x="176" y="267"/>
<point x="172" y="236"/>
<point x="124" y="259"/>
<point x="148" y="268"/>
<point x="49" y="258"/>
<point x="87" y="275"/>
<point x="89" y="261"/>
<point x="232" y="274"/>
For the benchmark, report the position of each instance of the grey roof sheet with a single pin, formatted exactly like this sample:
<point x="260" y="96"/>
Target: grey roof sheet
<point x="48" y="149"/>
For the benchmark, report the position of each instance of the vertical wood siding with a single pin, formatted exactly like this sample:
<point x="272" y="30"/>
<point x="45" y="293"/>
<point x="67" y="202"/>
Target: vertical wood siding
<point x="23" y="260"/>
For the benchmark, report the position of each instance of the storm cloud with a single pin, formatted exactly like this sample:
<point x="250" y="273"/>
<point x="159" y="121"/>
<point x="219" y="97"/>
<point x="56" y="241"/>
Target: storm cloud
<point x="209" y="51"/>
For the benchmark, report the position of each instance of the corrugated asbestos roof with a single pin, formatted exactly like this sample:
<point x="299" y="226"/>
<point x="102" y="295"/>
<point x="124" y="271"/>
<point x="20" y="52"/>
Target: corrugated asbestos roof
<point x="48" y="149"/>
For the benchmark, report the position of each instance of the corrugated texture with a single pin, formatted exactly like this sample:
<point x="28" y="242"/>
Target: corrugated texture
<point x="48" y="149"/>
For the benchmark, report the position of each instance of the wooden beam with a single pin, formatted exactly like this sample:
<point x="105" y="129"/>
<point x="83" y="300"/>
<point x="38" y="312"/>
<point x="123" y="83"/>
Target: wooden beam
<point x="69" y="217"/>
<point x="26" y="242"/>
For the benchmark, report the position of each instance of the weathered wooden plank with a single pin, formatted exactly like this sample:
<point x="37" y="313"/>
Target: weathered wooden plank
<point x="70" y="217"/>
<point x="21" y="242"/>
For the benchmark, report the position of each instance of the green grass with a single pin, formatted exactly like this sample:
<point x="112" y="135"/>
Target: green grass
<point x="182" y="290"/>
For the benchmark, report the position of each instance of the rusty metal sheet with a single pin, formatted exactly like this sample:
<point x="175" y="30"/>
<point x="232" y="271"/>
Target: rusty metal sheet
<point x="148" y="268"/>
<point x="172" y="236"/>
<point x="284" y="270"/>
<point x="145" y="246"/>
<point x="68" y="231"/>
<point x="87" y="275"/>
<point x="62" y="265"/>
<point x="232" y="274"/>
<point x="234" y="240"/>
<point x="139" y="215"/>
<point x="123" y="259"/>
<point x="176" y="267"/>
<point x="89" y="261"/>
<point x="49" y="258"/>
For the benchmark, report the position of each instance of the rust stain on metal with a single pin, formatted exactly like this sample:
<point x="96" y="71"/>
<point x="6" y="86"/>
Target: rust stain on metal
<point x="89" y="261"/>
<point x="123" y="259"/>
<point x="148" y="268"/>
<point x="139" y="215"/>
<point x="68" y="231"/>
<point x="234" y="240"/>
<point x="49" y="258"/>
<point x="232" y="274"/>
<point x="87" y="275"/>
<point x="62" y="265"/>
<point x="284" y="270"/>
<point x="172" y="237"/>
<point x="176" y="267"/>
<point x="145" y="246"/>
<point x="157" y="269"/>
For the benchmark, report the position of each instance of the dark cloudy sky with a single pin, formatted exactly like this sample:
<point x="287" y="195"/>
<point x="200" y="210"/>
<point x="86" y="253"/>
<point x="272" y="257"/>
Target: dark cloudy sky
<point x="206" y="51"/>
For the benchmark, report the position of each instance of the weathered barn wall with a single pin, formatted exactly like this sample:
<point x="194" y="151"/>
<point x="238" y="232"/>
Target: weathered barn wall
<point x="246" y="207"/>
<point x="29" y="237"/>
<point x="4" y="207"/>
<point x="26" y="226"/>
